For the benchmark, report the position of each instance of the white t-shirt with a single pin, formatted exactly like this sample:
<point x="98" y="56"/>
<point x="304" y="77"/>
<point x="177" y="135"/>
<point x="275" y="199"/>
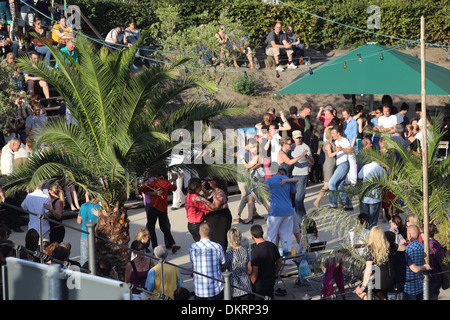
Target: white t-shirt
<point x="113" y="34"/>
<point x="275" y="147"/>
<point x="34" y="202"/>
<point x="342" y="156"/>
<point x="7" y="160"/>
<point x="301" y="167"/>
<point x="367" y="173"/>
<point x="387" y="122"/>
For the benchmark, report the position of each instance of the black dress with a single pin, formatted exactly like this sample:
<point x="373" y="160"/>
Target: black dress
<point x="219" y="222"/>
<point x="57" y="230"/>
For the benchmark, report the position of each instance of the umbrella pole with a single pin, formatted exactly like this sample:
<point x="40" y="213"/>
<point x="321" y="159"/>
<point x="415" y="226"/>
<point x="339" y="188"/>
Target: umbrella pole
<point x="426" y="293"/>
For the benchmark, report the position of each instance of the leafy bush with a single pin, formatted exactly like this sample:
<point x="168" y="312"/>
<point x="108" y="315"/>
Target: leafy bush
<point x="246" y="86"/>
<point x="399" y="18"/>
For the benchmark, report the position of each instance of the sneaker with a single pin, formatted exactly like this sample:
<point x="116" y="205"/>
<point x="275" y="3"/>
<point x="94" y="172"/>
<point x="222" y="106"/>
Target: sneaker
<point x="292" y="66"/>
<point x="280" y="68"/>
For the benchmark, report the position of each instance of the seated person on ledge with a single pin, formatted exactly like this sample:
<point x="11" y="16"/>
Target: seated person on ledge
<point x="61" y="33"/>
<point x="241" y="46"/>
<point x="277" y="45"/>
<point x="30" y="79"/>
<point x="296" y="45"/>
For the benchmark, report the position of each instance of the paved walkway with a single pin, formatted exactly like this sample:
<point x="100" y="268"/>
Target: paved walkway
<point x="182" y="237"/>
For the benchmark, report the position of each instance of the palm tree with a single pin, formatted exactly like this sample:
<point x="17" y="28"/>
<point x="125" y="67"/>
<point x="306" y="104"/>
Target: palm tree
<point x="122" y="128"/>
<point x="405" y="181"/>
<point x="405" y="178"/>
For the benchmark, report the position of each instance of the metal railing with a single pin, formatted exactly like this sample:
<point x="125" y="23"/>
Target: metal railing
<point x="92" y="257"/>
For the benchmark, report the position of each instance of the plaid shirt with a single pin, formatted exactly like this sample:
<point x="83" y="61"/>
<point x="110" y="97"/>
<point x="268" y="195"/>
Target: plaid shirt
<point x="414" y="255"/>
<point x="206" y="257"/>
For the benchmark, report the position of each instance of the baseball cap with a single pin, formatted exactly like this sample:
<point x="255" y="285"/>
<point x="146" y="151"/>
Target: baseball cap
<point x="296" y="134"/>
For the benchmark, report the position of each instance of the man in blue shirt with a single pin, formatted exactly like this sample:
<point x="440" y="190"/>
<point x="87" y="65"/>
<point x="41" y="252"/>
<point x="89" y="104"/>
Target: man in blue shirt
<point x="415" y="260"/>
<point x="88" y="213"/>
<point x="281" y="214"/>
<point x="351" y="133"/>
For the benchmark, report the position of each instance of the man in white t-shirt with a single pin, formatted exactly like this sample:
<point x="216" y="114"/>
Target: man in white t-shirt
<point x="38" y="203"/>
<point x="116" y="35"/>
<point x="337" y="180"/>
<point x="387" y="122"/>
<point x="371" y="203"/>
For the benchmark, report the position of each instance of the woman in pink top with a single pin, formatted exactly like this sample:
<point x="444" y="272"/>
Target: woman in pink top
<point x="327" y="117"/>
<point x="195" y="210"/>
<point x="137" y="269"/>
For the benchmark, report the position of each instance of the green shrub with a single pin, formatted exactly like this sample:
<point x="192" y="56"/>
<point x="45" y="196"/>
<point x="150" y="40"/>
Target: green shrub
<point x="399" y="18"/>
<point x="246" y="86"/>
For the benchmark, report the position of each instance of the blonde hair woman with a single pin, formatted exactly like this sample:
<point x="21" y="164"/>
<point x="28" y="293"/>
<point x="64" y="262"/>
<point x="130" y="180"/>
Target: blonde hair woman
<point x="143" y="236"/>
<point x="236" y="261"/>
<point x="412" y="219"/>
<point x="378" y="254"/>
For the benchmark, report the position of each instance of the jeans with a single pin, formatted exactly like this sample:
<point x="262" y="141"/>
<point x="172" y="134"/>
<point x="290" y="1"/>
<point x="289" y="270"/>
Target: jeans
<point x="193" y="229"/>
<point x="83" y="250"/>
<point x="373" y="210"/>
<point x="407" y="296"/>
<point x="337" y="183"/>
<point x="45" y="52"/>
<point x="300" y="197"/>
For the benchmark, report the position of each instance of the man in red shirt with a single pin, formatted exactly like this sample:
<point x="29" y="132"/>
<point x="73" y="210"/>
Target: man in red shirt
<point x="158" y="189"/>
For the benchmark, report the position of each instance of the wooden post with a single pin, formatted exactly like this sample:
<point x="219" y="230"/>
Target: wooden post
<point x="424" y="157"/>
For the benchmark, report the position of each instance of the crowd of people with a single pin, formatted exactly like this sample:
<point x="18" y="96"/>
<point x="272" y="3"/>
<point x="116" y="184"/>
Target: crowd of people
<point x="282" y="155"/>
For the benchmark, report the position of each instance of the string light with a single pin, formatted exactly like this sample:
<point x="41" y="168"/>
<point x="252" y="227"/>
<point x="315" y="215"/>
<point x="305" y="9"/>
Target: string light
<point x="278" y="74"/>
<point x="245" y="75"/>
<point x="345" y="65"/>
<point x="186" y="70"/>
<point x="381" y="56"/>
<point x="310" y="71"/>
<point x="359" y="57"/>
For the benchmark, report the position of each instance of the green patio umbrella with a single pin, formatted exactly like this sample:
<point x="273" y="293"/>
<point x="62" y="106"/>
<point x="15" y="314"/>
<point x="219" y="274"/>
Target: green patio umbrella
<point x="371" y="69"/>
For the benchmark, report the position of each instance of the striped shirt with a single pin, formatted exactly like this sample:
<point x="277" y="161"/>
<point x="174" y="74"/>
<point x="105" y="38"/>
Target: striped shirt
<point x="206" y="257"/>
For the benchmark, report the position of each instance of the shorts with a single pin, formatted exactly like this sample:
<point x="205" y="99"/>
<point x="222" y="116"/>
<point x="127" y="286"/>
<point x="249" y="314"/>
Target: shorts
<point x="274" y="52"/>
<point x="25" y="17"/>
<point x="4" y="12"/>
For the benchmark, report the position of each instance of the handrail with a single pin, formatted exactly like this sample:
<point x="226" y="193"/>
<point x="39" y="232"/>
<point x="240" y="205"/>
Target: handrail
<point x="123" y="247"/>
